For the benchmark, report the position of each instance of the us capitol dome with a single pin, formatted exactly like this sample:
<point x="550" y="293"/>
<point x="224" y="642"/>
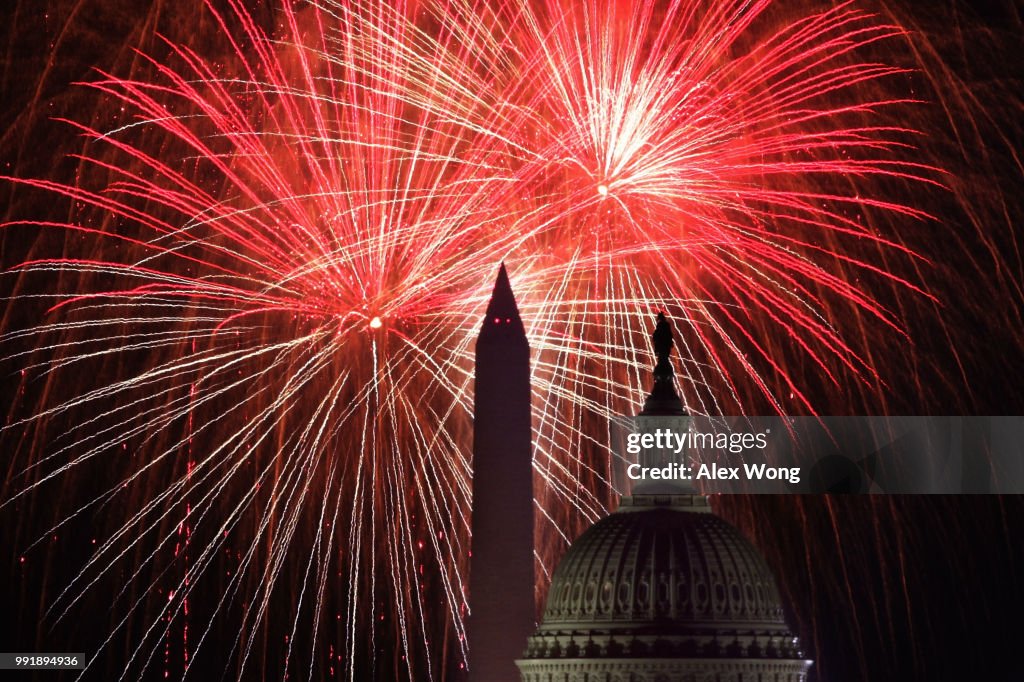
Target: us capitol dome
<point x="663" y="590"/>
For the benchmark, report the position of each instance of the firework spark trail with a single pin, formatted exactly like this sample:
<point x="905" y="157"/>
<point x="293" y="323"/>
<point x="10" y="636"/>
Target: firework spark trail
<point x="691" y="143"/>
<point x="266" y="256"/>
<point x="304" y="256"/>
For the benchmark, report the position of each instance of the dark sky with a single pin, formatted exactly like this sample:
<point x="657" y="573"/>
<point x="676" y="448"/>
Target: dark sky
<point x="894" y="589"/>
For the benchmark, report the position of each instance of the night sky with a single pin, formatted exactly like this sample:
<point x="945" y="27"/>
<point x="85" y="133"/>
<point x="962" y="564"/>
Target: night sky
<point x="881" y="588"/>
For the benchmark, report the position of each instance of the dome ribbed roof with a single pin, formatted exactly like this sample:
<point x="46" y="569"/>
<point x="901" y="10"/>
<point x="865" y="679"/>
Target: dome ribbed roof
<point x="663" y="577"/>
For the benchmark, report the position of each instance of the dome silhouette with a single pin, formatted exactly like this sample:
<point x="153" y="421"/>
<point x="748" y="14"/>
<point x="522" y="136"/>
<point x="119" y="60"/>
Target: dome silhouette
<point x="662" y="590"/>
<point x="663" y="586"/>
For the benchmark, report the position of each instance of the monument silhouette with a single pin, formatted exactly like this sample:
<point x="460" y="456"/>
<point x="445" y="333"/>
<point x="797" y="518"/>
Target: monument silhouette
<point x="501" y="573"/>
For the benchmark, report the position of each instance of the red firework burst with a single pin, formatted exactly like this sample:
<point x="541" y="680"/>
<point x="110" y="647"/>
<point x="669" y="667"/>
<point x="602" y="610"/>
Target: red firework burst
<point x="278" y="259"/>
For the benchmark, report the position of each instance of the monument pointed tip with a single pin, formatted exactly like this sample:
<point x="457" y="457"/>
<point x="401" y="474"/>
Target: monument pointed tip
<point x="503" y="301"/>
<point x="502" y="279"/>
<point x="502" y="317"/>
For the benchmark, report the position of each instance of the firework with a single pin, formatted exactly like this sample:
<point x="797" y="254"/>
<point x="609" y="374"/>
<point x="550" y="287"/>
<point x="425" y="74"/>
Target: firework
<point x="256" y="360"/>
<point x="297" y="279"/>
